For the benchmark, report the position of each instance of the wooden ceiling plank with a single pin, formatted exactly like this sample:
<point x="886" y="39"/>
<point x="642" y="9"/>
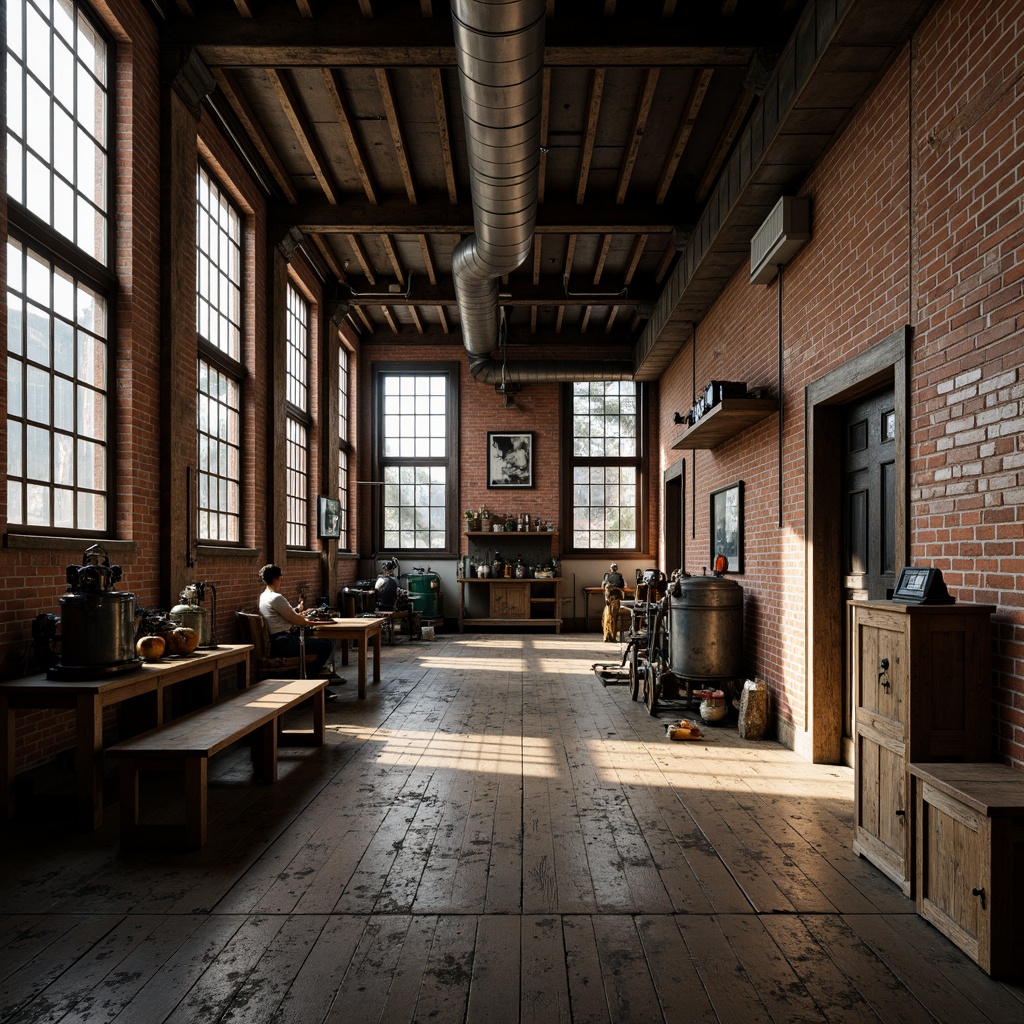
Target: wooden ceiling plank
<point x="545" y="102"/>
<point x="668" y="8"/>
<point x="551" y="8"/>
<point x="570" y="255"/>
<point x="254" y="127"/>
<point x="415" y="314"/>
<point x="533" y="319"/>
<point x="693" y="104"/>
<point x="305" y="8"/>
<point x="366" y="8"/>
<point x="640" y="115"/>
<point x="585" y="320"/>
<point x="392" y="322"/>
<point x="666" y="262"/>
<point x="244" y="8"/>
<point x="609" y="8"/>
<point x="444" y="136"/>
<point x="602" y="256"/>
<point x="396" y="264"/>
<point x="394" y="123"/>
<point x="610" y="322"/>
<point x="361" y="258"/>
<point x="428" y="260"/>
<point x="634" y="257"/>
<point x="590" y="132"/>
<point x="442" y="315"/>
<point x="426" y="8"/>
<point x="336" y="92"/>
<point x="724" y="147"/>
<point x="186" y="7"/>
<point x="364" y="316"/>
<point x="559" y="318"/>
<point x="518" y="293"/>
<point x="320" y="241"/>
<point x="288" y="97"/>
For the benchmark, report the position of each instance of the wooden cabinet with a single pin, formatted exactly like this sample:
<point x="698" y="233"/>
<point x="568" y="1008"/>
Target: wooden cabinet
<point x="510" y="602"/>
<point x="921" y="676"/>
<point x="969" y="867"/>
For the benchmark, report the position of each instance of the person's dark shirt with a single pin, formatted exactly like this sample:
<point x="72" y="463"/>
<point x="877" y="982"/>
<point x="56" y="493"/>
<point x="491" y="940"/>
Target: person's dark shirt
<point x="387" y="593"/>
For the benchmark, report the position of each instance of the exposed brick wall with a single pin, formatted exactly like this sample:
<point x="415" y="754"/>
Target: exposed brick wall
<point x="918" y="212"/>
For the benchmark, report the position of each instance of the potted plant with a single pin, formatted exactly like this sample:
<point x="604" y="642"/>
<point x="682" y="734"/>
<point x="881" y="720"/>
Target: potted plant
<point x="472" y="520"/>
<point x="485" y="519"/>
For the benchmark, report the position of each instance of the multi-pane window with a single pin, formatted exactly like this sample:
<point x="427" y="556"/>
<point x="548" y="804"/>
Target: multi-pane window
<point x="57" y="120"/>
<point x="607" y="462"/>
<point x="219" y="331"/>
<point x="344" y="444"/>
<point x="416" y="427"/>
<point x="59" y="286"/>
<point x="297" y="421"/>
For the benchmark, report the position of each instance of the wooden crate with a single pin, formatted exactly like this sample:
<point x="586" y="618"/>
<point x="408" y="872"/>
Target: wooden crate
<point x="921" y="678"/>
<point x="969" y="864"/>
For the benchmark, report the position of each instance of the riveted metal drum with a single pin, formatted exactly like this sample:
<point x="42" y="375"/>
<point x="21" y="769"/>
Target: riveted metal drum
<point x="706" y="628"/>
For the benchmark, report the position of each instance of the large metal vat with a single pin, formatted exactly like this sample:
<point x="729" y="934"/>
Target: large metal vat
<point x="424" y="589"/>
<point x="706" y="624"/>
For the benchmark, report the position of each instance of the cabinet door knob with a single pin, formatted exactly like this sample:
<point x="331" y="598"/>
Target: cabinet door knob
<point x="981" y="894"/>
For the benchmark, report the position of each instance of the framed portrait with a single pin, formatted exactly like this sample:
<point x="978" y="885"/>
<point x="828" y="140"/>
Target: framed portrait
<point x="727" y="526"/>
<point x="328" y="517"/>
<point x="509" y="459"/>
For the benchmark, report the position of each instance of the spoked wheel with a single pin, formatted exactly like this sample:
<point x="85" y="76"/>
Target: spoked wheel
<point x="634" y="670"/>
<point x="657" y="655"/>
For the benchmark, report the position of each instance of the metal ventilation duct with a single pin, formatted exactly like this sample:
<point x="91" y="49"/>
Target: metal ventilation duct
<point x="499" y="48"/>
<point x="779" y="238"/>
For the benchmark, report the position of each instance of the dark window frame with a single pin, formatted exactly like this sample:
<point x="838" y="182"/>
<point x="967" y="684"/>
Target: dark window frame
<point x="301" y="417"/>
<point x="641" y="461"/>
<point x="451" y="370"/>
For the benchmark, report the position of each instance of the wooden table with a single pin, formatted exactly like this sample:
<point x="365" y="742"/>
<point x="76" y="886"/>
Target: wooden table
<point x="362" y="630"/>
<point x="88" y="699"/>
<point x="589" y="592"/>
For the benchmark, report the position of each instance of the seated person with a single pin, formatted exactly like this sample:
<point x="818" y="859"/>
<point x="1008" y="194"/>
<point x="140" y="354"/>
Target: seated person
<point x="280" y="617"/>
<point x="386" y="587"/>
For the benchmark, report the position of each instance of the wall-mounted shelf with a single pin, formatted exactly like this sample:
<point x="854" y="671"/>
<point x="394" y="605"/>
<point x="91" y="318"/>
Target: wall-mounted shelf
<point x="727" y="419"/>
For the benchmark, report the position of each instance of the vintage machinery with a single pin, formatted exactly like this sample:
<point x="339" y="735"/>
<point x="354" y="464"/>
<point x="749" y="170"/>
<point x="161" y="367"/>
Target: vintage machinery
<point x="97" y="622"/>
<point x="190" y="611"/>
<point x="425" y="596"/>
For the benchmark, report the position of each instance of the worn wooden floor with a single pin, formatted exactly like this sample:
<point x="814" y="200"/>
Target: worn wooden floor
<point x="491" y="836"/>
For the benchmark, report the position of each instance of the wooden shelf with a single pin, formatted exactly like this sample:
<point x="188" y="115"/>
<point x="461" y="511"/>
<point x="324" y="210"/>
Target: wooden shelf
<point x="730" y="417"/>
<point x="511" y="533"/>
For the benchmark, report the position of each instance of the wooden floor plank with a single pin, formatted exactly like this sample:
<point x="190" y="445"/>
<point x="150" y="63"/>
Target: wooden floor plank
<point x="490" y="836"/>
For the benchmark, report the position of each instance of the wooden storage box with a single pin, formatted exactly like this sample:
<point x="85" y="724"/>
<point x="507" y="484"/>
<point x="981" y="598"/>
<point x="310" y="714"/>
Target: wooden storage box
<point x="921" y="677"/>
<point x="969" y="870"/>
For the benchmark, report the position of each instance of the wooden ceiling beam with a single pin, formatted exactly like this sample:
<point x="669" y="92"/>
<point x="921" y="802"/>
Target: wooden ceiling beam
<point x="538" y="246"/>
<point x="415" y="314"/>
<point x="428" y="259"/>
<point x="442" y="316"/>
<point x="444" y="136"/>
<point x="244" y="8"/>
<point x="320" y="241"/>
<point x="396" y="264"/>
<point x="714" y="166"/>
<point x="634" y="257"/>
<point x="395" y="216"/>
<point x="253" y="125"/>
<point x="306" y="8"/>
<point x="640" y="115"/>
<point x="336" y="92"/>
<point x="366" y="8"/>
<point x="364" y="317"/>
<point x="589" y="132"/>
<point x="387" y="96"/>
<point x="545" y="102"/>
<point x="361" y="258"/>
<point x="683" y="132"/>
<point x="602" y="257"/>
<point x="517" y="294"/>
<point x="392" y="322"/>
<point x="288" y="97"/>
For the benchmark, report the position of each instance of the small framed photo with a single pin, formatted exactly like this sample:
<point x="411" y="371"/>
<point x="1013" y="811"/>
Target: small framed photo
<point x="328" y="517"/>
<point x="727" y="526"/>
<point x="509" y="459"/>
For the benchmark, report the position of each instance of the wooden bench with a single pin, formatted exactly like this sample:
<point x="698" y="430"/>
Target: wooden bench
<point x="187" y="744"/>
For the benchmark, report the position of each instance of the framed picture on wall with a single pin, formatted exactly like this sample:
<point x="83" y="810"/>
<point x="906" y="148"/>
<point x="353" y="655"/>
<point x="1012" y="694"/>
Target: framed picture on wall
<point x="328" y="517"/>
<point x="509" y="459"/>
<point x="727" y="526"/>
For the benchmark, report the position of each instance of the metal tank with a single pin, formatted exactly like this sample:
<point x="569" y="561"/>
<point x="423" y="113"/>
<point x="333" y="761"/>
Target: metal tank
<point x="706" y="628"/>
<point x="424" y="589"/>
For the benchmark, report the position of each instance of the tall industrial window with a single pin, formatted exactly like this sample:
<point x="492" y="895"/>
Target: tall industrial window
<point x="606" y="463"/>
<point x="297" y="419"/>
<point x="59" y="285"/>
<point x="219" y="331"/>
<point x="344" y="444"/>
<point x="417" y="458"/>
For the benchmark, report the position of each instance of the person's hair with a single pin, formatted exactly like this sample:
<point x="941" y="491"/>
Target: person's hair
<point x="269" y="573"/>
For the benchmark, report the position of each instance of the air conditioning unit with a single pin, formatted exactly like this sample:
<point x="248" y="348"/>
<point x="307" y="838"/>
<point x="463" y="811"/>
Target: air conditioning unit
<point x="780" y="237"/>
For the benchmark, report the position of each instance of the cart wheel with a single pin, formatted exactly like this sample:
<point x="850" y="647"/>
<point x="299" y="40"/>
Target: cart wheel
<point x="656" y="661"/>
<point x="634" y="671"/>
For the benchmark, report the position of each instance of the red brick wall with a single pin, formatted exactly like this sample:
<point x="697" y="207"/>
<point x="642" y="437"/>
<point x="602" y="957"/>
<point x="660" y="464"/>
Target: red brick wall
<point x="917" y="218"/>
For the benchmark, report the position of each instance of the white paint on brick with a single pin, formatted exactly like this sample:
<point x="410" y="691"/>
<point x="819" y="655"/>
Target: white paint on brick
<point x="967" y="378"/>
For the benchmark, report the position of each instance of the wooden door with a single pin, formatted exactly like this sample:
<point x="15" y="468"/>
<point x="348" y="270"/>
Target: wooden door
<point x="868" y="517"/>
<point x="673" y="519"/>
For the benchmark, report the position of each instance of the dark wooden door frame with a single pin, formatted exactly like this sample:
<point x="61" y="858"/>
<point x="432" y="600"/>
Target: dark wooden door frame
<point x="883" y="364"/>
<point x="675" y="472"/>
